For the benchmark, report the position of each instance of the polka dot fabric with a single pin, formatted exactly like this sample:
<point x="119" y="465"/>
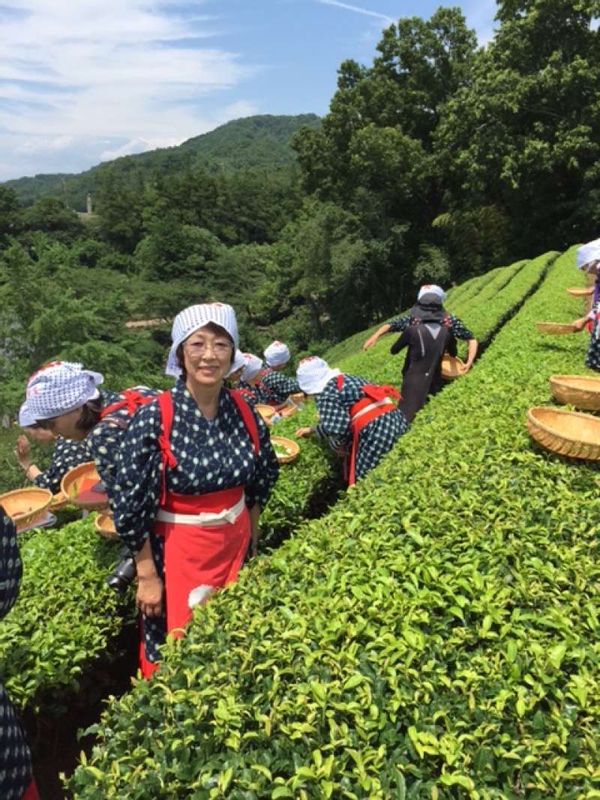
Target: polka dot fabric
<point x="15" y="758"/>
<point x="374" y="441"/>
<point x="66" y="455"/>
<point x="457" y="327"/>
<point x="278" y="386"/>
<point x="211" y="455"/>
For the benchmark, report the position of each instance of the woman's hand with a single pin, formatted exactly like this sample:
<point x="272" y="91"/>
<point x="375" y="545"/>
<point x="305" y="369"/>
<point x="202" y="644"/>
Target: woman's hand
<point x="579" y="324"/>
<point x="304" y="433"/>
<point x="149" y="597"/>
<point x="23" y="451"/>
<point x="370" y="341"/>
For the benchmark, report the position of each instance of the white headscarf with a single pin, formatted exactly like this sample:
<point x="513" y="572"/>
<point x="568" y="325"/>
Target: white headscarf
<point x="254" y="364"/>
<point x="26" y="418"/>
<point x="59" y="388"/>
<point x="432" y="288"/>
<point x="277" y="354"/>
<point x="238" y="362"/>
<point x="587" y="253"/>
<point x="192" y="319"/>
<point x="313" y="374"/>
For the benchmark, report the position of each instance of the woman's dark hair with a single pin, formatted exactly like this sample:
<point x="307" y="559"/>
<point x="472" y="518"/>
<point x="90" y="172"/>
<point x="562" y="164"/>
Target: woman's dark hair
<point x="213" y="328"/>
<point x="90" y="415"/>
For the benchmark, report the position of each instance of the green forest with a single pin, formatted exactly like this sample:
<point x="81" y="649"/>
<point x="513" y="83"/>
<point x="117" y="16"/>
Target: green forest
<point x="438" y="161"/>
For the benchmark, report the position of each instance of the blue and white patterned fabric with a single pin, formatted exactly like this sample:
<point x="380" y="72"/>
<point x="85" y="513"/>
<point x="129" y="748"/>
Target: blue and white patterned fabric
<point x="211" y="455"/>
<point x="457" y="328"/>
<point x="59" y="388"/>
<point x="375" y="440"/>
<point x="254" y="393"/>
<point x="588" y="253"/>
<point x="67" y="454"/>
<point x="277" y="354"/>
<point x="192" y="319"/>
<point x="15" y="758"/>
<point x="278" y="386"/>
<point x="592" y="359"/>
<point x="103" y="441"/>
<point x="252" y="366"/>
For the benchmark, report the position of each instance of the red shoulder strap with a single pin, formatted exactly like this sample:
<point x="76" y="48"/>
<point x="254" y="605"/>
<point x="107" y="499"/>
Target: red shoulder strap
<point x="340" y="382"/>
<point x="165" y="406"/>
<point x="248" y="417"/>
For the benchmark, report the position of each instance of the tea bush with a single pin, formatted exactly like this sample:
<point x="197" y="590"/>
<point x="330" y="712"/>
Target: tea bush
<point x="434" y="636"/>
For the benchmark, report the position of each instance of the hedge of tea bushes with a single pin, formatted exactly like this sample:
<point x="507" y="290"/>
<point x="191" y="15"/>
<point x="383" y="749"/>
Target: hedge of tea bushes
<point x="434" y="636"/>
<point x="65" y="613"/>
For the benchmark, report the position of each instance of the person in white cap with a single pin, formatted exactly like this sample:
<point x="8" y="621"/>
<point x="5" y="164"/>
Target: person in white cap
<point x="428" y="332"/>
<point x="588" y="260"/>
<point x="65" y="399"/>
<point x="197" y="468"/>
<point x="279" y="386"/>
<point x="360" y="420"/>
<point x="66" y="454"/>
<point x="235" y="373"/>
<point x="250" y="384"/>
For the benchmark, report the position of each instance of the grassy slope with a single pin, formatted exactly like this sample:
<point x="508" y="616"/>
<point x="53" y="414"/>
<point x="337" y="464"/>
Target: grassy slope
<point x="434" y="635"/>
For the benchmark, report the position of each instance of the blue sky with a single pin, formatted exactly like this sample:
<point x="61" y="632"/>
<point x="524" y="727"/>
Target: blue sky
<point x="82" y="81"/>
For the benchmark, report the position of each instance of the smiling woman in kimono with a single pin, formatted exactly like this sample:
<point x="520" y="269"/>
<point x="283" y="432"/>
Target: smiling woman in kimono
<point x="359" y="420"/>
<point x="196" y="469"/>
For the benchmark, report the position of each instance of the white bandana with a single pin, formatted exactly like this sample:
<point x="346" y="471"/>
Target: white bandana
<point x="254" y="364"/>
<point x="277" y="354"/>
<point x="313" y="374"/>
<point x="192" y="319"/>
<point x="238" y="362"/>
<point x="26" y="418"/>
<point x="59" y="388"/>
<point x="587" y="253"/>
<point x="432" y="288"/>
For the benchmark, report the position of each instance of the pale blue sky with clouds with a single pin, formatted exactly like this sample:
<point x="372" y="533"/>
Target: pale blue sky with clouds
<point x="83" y="81"/>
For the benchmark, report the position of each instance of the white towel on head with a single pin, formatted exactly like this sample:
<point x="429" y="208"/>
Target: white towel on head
<point x="192" y="319"/>
<point x="238" y="362"/>
<point x="59" y="388"/>
<point x="587" y="253"/>
<point x="432" y="288"/>
<point x="254" y="364"/>
<point x="26" y="418"/>
<point x="277" y="354"/>
<point x="313" y="374"/>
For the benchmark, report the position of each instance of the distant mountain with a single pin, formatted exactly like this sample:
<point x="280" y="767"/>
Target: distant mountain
<point x="259" y="142"/>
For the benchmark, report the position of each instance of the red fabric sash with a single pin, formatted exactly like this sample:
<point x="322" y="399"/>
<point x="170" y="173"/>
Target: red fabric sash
<point x="363" y="412"/>
<point x="132" y="400"/>
<point x="32" y="792"/>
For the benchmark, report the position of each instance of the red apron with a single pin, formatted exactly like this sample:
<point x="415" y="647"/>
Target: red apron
<point x="206" y="537"/>
<point x="32" y="792"/>
<point x="378" y="400"/>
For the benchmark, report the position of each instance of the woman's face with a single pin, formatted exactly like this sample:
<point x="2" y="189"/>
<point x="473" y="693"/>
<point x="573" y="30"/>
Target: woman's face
<point x="66" y="426"/>
<point x="593" y="268"/>
<point x="207" y="357"/>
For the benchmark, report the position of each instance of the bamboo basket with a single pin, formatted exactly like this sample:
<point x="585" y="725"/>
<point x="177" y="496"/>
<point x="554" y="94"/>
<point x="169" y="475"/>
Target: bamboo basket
<point x="566" y="433"/>
<point x="105" y="526"/>
<point x="576" y="390"/>
<point x="26" y="506"/>
<point x="556" y="328"/>
<point x="266" y="412"/>
<point x="581" y="292"/>
<point x="292" y="448"/>
<point x="452" y="367"/>
<point x="82" y="486"/>
<point x="59" y="500"/>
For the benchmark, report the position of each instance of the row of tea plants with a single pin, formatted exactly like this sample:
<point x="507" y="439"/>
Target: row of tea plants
<point x="433" y="636"/>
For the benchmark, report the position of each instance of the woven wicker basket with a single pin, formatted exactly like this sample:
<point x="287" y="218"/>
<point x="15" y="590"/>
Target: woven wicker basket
<point x="292" y="448"/>
<point x="26" y="506"/>
<point x="266" y="412"/>
<point x="556" y="328"/>
<point x="584" y="292"/>
<point x="567" y="433"/>
<point x="81" y="485"/>
<point x="577" y="390"/>
<point x="452" y="367"/>
<point x="105" y="526"/>
<point x="59" y="500"/>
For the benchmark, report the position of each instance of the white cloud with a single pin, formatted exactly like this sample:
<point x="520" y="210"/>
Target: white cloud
<point x="78" y="75"/>
<point x="358" y="10"/>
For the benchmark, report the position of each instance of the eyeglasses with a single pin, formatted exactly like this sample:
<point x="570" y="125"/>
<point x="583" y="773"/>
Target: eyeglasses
<point x="198" y="349"/>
